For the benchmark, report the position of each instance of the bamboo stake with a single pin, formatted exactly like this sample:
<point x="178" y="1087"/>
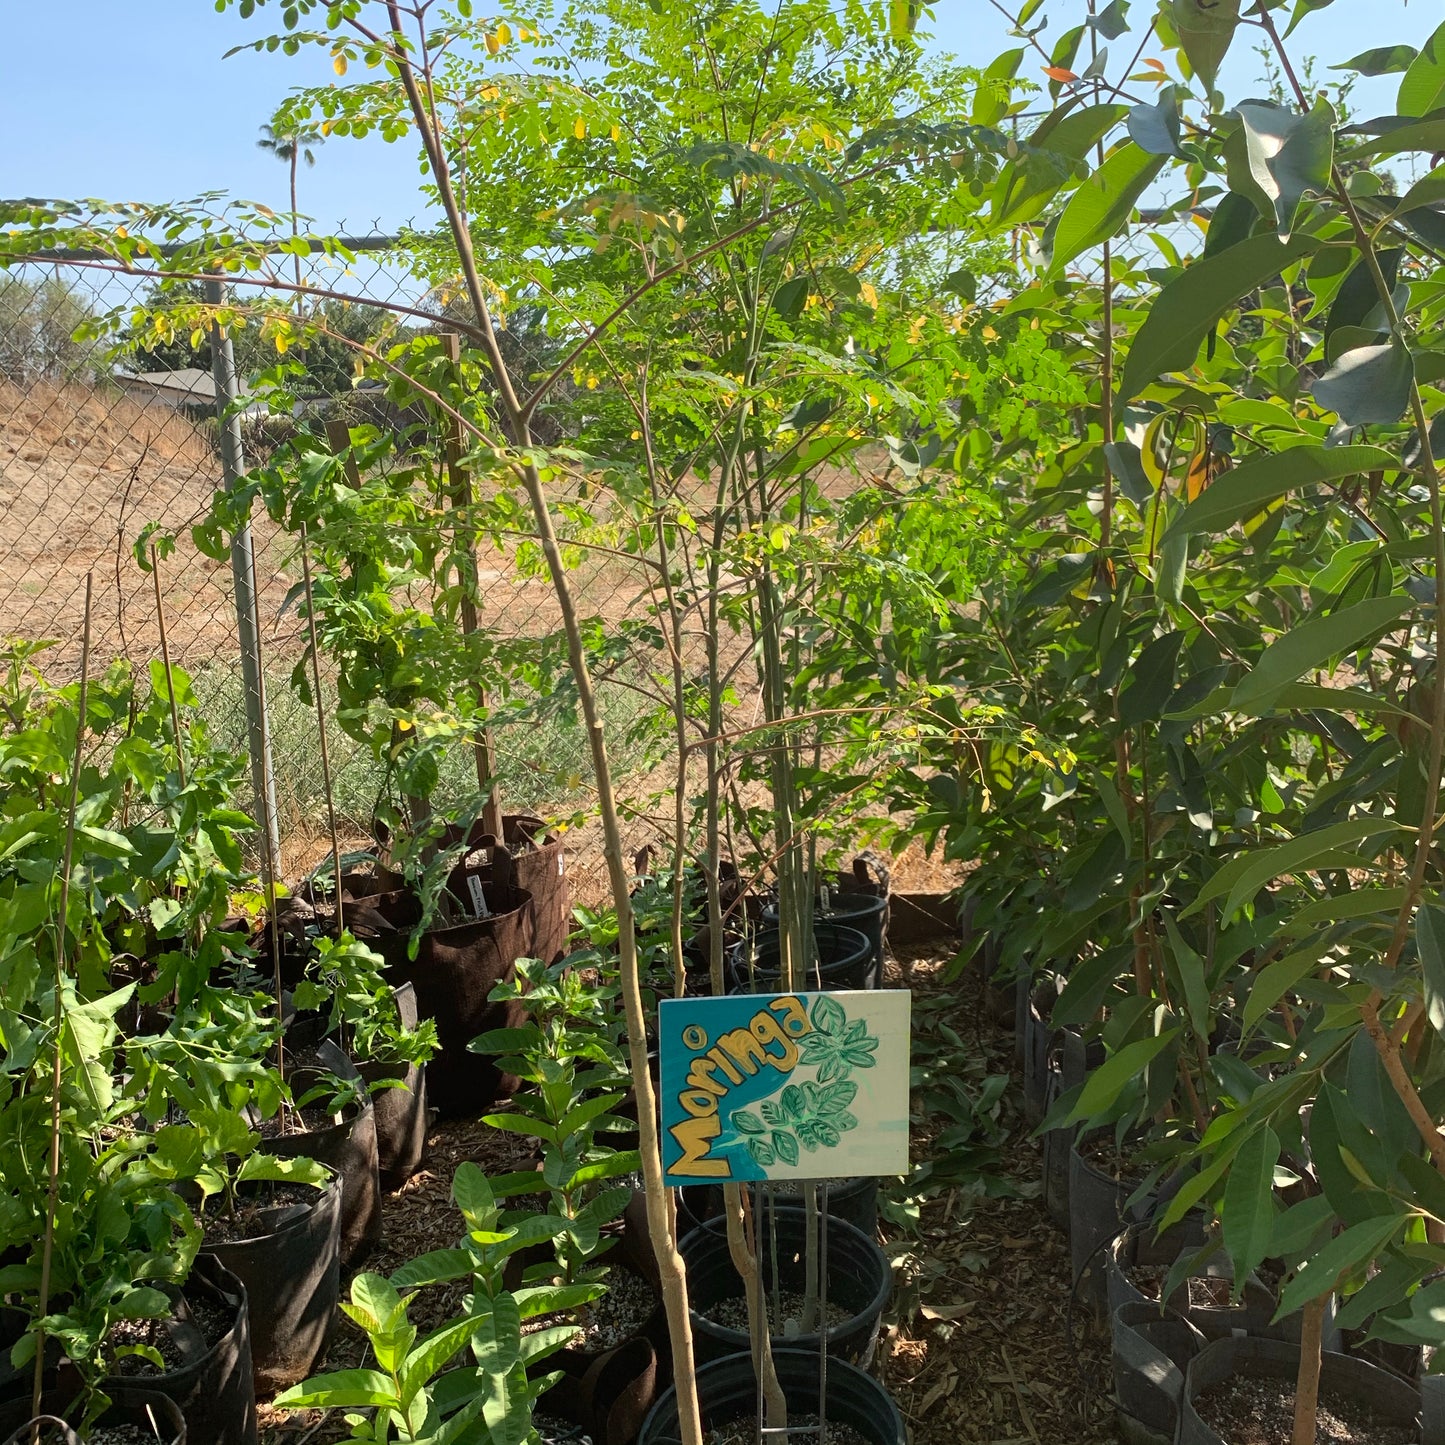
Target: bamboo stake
<point x="321" y="724"/>
<point x="57" y="1008"/>
<point x="268" y="857"/>
<point x="166" y="663"/>
<point x="460" y="495"/>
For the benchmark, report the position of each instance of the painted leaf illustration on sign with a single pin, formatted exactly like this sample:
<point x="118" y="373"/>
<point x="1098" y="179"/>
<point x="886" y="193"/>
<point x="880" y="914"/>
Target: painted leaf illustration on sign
<point x="836" y="1046"/>
<point x="812" y="1115"/>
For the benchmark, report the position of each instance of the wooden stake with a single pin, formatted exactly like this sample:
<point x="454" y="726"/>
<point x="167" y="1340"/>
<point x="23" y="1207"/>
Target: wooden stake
<point x="460" y="495"/>
<point x="57" y="1008"/>
<point x="321" y="723"/>
<point x="166" y="663"/>
<point x="268" y="857"/>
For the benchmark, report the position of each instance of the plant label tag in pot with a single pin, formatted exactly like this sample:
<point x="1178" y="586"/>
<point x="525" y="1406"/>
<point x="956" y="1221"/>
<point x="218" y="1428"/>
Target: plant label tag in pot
<point x="479" y="899"/>
<point x="784" y="1086"/>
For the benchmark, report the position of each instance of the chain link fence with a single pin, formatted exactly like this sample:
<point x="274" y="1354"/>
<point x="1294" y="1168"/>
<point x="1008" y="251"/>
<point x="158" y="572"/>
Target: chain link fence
<point x="92" y="450"/>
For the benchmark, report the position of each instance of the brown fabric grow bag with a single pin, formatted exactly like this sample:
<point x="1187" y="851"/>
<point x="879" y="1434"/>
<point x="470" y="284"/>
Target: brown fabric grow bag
<point x="453" y="972"/>
<point x="538" y="864"/>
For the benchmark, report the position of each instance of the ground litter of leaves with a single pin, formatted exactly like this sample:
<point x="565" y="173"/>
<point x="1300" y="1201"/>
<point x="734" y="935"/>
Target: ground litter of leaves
<point x="982" y="1343"/>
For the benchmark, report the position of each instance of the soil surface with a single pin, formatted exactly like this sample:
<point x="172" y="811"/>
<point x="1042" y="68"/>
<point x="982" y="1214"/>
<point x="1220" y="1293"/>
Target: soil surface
<point x="620" y="1314"/>
<point x="744" y="1432"/>
<point x="255" y="1218"/>
<point x="120" y="1435"/>
<point x="1205" y="1291"/>
<point x="732" y="1313"/>
<point x="1256" y="1411"/>
<point x="156" y="1334"/>
<point x="311" y="1120"/>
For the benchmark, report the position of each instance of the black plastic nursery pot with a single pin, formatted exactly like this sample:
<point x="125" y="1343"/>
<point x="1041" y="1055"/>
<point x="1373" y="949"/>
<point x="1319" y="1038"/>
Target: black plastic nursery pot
<point x="858" y="1277"/>
<point x="400" y="1110"/>
<point x="1039" y="1038"/>
<point x="727" y="1392"/>
<point x="454" y="973"/>
<point x="1390" y="1401"/>
<point x="1152" y="1349"/>
<point x="866" y="912"/>
<point x="154" y="1415"/>
<point x="212" y="1387"/>
<point x="292" y="1275"/>
<point x="348" y="1147"/>
<point x="1098" y="1212"/>
<point x="843" y="960"/>
<point x="855" y="1200"/>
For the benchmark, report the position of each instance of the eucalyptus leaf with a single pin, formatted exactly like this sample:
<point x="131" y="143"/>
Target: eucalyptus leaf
<point x="1369" y="385"/>
<point x="1191" y="305"/>
<point x="1206" y="30"/>
<point x="1289" y="155"/>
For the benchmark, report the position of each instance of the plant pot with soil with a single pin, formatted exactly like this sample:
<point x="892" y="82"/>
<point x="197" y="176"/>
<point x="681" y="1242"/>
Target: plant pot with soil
<point x="1241" y="1391"/>
<point x="538" y="864"/>
<point x="858" y="1280"/>
<point x="283" y="1242"/>
<point x="206" y="1345"/>
<point x="847" y="908"/>
<point x="453" y="973"/>
<point x="859" y="1411"/>
<point x="133" y="1417"/>
<point x="400" y="1104"/>
<point x="1101" y="1181"/>
<point x="844" y="958"/>
<point x="335" y="1124"/>
<point x="1151" y="1351"/>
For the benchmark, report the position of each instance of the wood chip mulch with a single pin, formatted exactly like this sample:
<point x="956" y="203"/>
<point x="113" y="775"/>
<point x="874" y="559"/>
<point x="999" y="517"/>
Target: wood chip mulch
<point x="983" y="1344"/>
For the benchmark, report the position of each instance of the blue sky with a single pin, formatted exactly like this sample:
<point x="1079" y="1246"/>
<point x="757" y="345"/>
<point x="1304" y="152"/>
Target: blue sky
<point x="132" y="99"/>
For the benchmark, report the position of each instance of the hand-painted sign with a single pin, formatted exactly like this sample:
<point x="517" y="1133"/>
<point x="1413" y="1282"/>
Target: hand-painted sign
<point x="784" y="1086"/>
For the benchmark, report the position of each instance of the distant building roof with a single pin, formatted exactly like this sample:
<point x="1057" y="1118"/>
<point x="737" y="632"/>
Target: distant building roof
<point x="190" y="382"/>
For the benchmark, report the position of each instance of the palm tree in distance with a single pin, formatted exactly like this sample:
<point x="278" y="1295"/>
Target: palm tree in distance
<point x="292" y="147"/>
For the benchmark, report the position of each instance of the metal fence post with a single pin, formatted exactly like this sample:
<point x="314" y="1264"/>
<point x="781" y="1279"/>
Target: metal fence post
<point x="243" y="572"/>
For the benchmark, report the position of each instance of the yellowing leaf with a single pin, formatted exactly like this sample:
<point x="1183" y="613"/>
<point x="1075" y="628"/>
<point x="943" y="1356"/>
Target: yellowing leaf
<point x="869" y="295"/>
<point x="504" y="33"/>
<point x="338" y="63"/>
<point x="1061" y="73"/>
<point x="579" y="128"/>
<point x="616" y="132"/>
<point x="493" y="44"/>
<point x="1197" y="477"/>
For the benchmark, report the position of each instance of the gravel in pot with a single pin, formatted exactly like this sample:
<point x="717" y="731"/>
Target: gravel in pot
<point x="1240" y="1391"/>
<point x="727" y="1394"/>
<point x="859" y="1283"/>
